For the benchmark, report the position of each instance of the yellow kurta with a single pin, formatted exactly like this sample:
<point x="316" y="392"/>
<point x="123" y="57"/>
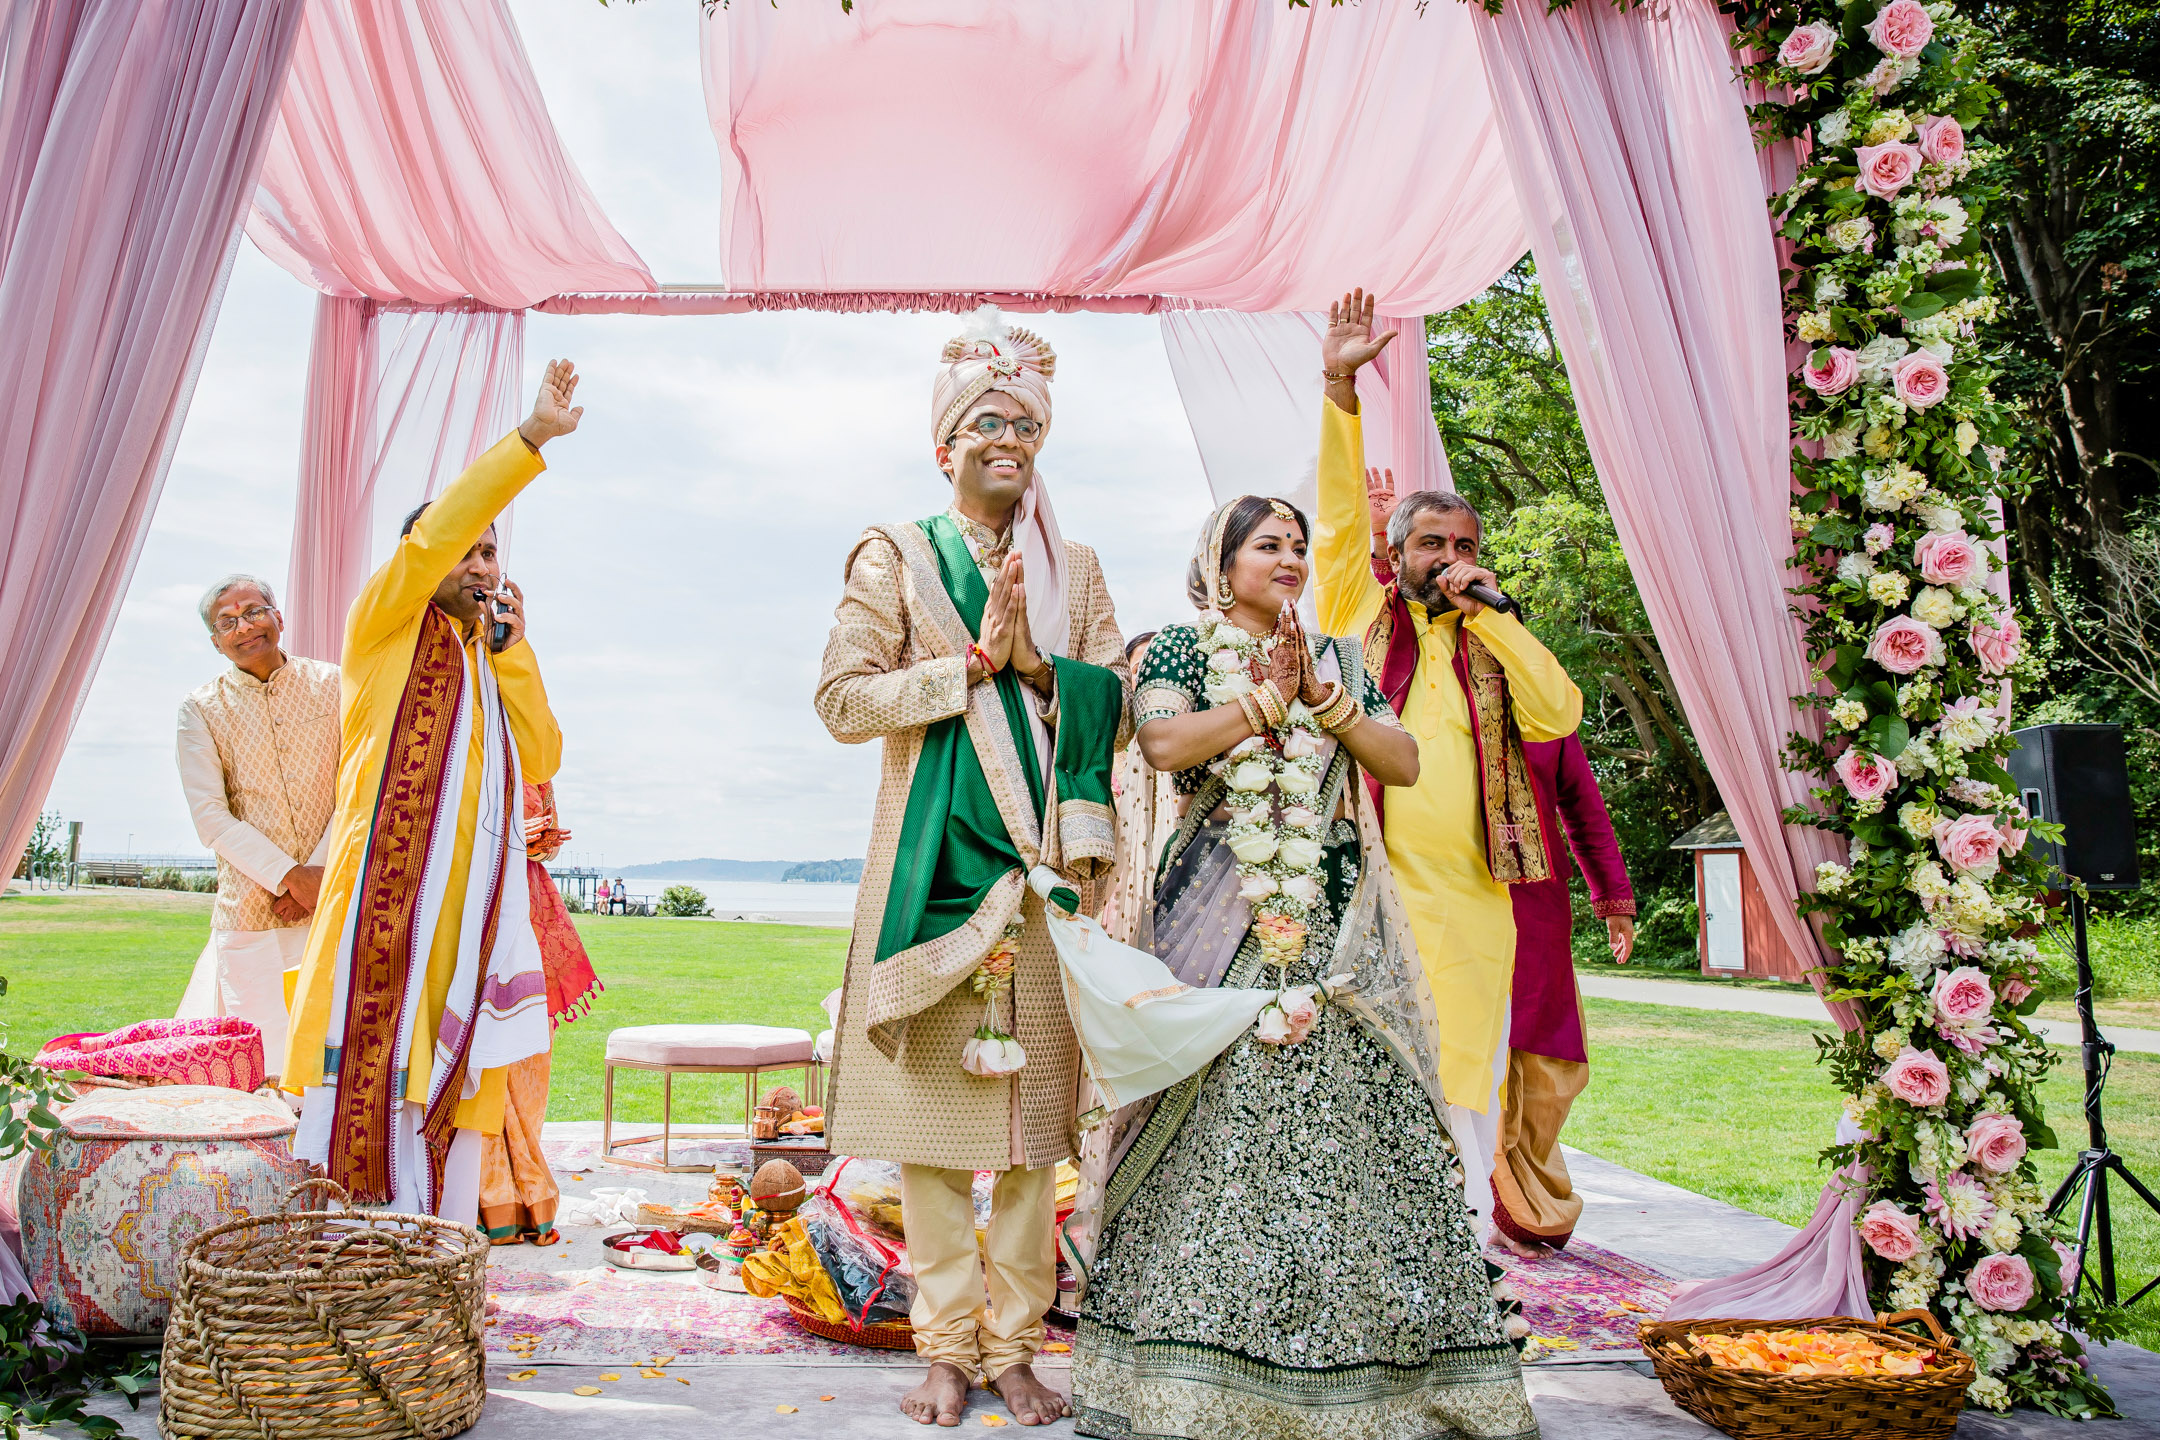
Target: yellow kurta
<point x="381" y="632"/>
<point x="1464" y="920"/>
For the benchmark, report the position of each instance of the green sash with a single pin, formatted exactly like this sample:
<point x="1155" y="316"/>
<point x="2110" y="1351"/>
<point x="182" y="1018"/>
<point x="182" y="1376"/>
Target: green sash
<point x="954" y="846"/>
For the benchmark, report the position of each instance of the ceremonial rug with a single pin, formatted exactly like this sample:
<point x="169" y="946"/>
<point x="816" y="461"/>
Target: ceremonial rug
<point x="629" y="1319"/>
<point x="1583" y="1303"/>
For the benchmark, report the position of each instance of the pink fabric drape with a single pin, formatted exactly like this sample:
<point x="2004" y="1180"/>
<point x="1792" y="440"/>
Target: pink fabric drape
<point x="414" y="159"/>
<point x="1631" y="152"/>
<point x="129" y="141"/>
<point x="1235" y="153"/>
<point x="398" y="404"/>
<point x="1251" y="387"/>
<point x="1819" y="1273"/>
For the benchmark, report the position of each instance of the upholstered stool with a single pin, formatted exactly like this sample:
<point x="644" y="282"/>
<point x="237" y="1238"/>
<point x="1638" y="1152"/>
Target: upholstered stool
<point x="132" y="1177"/>
<point x="745" y="1050"/>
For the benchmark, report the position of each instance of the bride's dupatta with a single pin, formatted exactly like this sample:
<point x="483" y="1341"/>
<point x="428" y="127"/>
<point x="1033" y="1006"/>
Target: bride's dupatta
<point x="1203" y="934"/>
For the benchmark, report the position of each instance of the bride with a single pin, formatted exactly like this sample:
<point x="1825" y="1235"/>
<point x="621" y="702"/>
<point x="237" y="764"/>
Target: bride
<point x="1279" y="1244"/>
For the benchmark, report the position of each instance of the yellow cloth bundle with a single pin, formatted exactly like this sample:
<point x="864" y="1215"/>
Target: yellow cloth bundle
<point x="790" y="1267"/>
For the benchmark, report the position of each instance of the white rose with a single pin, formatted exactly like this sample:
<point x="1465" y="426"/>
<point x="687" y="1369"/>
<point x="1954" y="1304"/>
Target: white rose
<point x="1274" y="1026"/>
<point x="1003" y="1057"/>
<point x="1228" y="688"/>
<point x="971" y="1058"/>
<point x="1226" y="661"/>
<point x="1301" y="817"/>
<point x="1934" y="606"/>
<point x="1253" y="848"/>
<point x="1250" y="776"/>
<point x="1302" y="888"/>
<point x="1296" y="780"/>
<point x="1299" y="853"/>
<point x="1256" y="887"/>
<point x="1255" y="814"/>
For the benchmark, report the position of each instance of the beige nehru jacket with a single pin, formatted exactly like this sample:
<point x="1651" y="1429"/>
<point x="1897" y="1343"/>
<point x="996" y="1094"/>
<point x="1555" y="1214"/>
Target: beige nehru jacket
<point x="258" y="760"/>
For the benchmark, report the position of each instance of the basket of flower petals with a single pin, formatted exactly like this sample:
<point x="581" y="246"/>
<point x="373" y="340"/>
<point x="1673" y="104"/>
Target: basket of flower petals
<point x="1758" y="1379"/>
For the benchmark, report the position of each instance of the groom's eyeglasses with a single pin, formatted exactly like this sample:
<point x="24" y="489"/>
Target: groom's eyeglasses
<point x="1026" y="429"/>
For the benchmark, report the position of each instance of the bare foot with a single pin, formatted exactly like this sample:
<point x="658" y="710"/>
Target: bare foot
<point x="1031" y="1401"/>
<point x="940" y="1398"/>
<point x="1527" y="1251"/>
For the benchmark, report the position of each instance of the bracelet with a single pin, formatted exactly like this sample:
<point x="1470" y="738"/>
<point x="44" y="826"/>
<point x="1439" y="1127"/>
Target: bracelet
<point x="1331" y="375"/>
<point x="1340" y="712"/>
<point x="981" y="656"/>
<point x="1270" y="701"/>
<point x="1250" y="709"/>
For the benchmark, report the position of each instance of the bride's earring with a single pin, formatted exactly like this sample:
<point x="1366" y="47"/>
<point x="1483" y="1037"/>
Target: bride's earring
<point x="1223" y="597"/>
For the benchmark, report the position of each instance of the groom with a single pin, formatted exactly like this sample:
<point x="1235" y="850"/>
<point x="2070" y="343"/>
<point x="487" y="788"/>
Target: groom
<point x="981" y="647"/>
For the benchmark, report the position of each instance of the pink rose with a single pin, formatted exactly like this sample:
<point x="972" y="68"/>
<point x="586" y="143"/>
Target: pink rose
<point x="2014" y="990"/>
<point x="1301" y="1007"/>
<point x="2013" y="834"/>
<point x="1886" y="169"/>
<point x="1950" y="557"/>
<point x="1996" y="1143"/>
<point x="1866" y="776"/>
<point x="1902" y="28"/>
<point x="1902" y="645"/>
<point x="2001" y="1283"/>
<point x="1969" y="844"/>
<point x="1918" y="1077"/>
<point x="1809" y="48"/>
<point x="2066" y="1256"/>
<point x="1942" y="140"/>
<point x="1890" y="1232"/>
<point x="1920" y="380"/>
<point x="1831" y="371"/>
<point x="1963" y="995"/>
<point x="1997" y="650"/>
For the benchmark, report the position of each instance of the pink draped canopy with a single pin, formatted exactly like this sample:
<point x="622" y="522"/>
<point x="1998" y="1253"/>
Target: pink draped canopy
<point x="1232" y="164"/>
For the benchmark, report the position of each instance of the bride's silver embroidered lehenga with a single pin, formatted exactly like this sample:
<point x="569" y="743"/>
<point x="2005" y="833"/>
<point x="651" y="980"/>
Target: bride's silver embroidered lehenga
<point x="1283" y="1247"/>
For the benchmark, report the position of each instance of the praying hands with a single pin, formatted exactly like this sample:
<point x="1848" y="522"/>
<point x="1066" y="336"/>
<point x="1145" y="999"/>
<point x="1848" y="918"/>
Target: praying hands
<point x="1005" y="639"/>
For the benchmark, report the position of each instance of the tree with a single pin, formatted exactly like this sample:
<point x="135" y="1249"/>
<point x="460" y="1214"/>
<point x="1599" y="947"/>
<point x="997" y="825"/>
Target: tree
<point x="1507" y="415"/>
<point x="2077" y="237"/>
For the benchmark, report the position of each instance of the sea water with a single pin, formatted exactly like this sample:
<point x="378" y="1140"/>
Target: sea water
<point x="833" y="904"/>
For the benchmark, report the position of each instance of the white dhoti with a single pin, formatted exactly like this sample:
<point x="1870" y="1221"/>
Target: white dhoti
<point x="242" y="973"/>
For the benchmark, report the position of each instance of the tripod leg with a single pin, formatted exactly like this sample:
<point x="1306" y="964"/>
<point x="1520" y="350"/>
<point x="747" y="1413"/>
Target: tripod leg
<point x="2069" y="1183"/>
<point x="2115" y="1163"/>
<point x="2104" y="1234"/>
<point x="2085" y="1220"/>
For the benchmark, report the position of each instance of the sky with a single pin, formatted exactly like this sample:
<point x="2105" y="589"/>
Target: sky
<point x="682" y="555"/>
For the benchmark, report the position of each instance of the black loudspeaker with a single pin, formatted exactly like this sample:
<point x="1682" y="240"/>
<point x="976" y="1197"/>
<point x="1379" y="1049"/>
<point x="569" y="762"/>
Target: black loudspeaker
<point x="2078" y="776"/>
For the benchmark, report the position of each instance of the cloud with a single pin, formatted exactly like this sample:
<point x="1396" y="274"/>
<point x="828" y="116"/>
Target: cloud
<point x="682" y="555"/>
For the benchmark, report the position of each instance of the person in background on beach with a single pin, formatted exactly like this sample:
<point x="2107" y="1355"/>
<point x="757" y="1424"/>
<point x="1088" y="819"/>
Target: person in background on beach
<point x="258" y="754"/>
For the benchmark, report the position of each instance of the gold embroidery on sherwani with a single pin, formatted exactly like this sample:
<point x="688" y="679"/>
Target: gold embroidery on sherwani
<point x="886" y="678"/>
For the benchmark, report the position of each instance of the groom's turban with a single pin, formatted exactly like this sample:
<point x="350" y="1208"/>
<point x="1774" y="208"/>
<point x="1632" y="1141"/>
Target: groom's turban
<point x="991" y="355"/>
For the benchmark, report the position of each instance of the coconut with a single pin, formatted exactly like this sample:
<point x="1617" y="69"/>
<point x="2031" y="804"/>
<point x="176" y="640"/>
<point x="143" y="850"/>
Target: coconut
<point x="777" y="1188"/>
<point x="784" y="1102"/>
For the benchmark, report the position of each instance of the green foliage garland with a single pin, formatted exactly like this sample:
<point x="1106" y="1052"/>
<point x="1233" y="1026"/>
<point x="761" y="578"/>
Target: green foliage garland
<point x="1898" y="546"/>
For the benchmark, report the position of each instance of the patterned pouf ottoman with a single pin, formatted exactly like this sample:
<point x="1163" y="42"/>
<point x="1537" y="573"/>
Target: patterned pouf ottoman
<point x="131" y="1178"/>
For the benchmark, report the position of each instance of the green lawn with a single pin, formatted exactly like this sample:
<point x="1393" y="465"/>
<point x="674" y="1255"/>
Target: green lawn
<point x="98" y="962"/>
<point x="1724" y="1104"/>
<point x="1734" y="1106"/>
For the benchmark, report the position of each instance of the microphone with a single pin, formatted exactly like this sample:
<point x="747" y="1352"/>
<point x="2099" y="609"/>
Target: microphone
<point x="1485" y="594"/>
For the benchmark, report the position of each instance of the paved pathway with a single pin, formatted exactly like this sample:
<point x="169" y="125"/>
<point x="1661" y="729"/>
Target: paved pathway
<point x="1801" y="1004"/>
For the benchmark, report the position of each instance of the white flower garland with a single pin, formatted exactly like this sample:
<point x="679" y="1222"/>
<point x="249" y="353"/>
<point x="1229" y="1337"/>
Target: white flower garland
<point x="1275" y="833"/>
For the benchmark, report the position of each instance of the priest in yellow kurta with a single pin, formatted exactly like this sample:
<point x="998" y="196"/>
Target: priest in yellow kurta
<point x="423" y="983"/>
<point x="1472" y="684"/>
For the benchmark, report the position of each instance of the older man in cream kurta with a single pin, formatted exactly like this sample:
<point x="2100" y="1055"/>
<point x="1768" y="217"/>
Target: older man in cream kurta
<point x="257" y="750"/>
<point x="1000" y="702"/>
<point x="403" y="1068"/>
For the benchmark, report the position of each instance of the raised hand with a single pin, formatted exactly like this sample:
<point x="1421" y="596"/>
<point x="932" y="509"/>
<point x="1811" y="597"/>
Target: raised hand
<point x="1027" y="661"/>
<point x="1309" y="690"/>
<point x="1379" y="497"/>
<point x="1348" y="344"/>
<point x="552" y="412"/>
<point x="1286" y="660"/>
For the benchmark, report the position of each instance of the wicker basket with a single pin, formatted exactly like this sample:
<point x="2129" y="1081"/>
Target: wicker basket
<point x="1751" y="1406"/>
<point x="356" y="1325"/>
<point x="880" y="1335"/>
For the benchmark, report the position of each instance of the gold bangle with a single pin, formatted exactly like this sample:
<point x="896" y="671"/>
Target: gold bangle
<point x="1271" y="702"/>
<point x="1250" y="709"/>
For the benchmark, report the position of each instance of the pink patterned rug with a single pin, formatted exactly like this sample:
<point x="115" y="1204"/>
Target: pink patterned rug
<point x="1583" y="1303"/>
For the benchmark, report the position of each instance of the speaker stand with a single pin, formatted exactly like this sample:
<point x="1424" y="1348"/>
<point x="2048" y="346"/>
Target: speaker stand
<point x="2095" y="1231"/>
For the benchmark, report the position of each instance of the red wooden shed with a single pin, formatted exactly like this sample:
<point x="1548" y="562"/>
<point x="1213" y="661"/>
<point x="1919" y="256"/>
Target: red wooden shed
<point x="1735" y="935"/>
